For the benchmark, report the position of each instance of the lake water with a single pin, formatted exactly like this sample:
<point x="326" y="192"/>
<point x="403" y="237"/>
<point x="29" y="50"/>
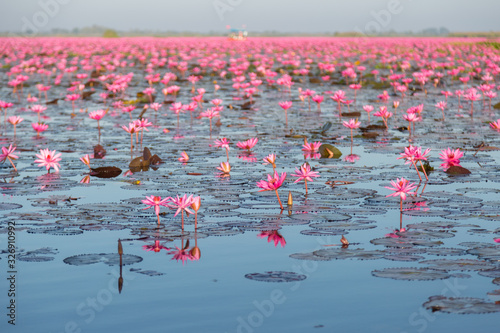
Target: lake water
<point x="67" y="268"/>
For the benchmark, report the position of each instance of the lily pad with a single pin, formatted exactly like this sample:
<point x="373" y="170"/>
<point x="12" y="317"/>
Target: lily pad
<point x="276" y="276"/>
<point x="328" y="151"/>
<point x="457" y="170"/>
<point x="458" y="264"/>
<point x="105" y="172"/>
<point x="346" y="253"/>
<point x="110" y="259"/>
<point x="460" y="305"/>
<point x="411" y="273"/>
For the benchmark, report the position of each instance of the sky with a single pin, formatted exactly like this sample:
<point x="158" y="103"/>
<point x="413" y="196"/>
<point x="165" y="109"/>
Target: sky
<point x="365" y="16"/>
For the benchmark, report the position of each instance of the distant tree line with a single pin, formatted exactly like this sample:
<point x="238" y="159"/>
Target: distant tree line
<point x="100" y="31"/>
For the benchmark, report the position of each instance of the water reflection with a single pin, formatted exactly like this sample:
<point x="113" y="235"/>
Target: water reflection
<point x="156" y="247"/>
<point x="183" y="253"/>
<point x="120" y="279"/>
<point x="273" y="236"/>
<point x="352" y="158"/>
<point x="312" y="156"/>
<point x="248" y="157"/>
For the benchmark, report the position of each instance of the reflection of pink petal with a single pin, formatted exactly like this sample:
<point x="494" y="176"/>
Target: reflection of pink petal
<point x="85" y="180"/>
<point x="497" y="240"/>
<point x="182" y="255"/>
<point x="248" y="158"/>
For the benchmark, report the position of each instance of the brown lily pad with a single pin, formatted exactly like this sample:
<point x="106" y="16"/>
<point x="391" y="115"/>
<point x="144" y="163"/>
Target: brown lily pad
<point x="106" y="172"/>
<point x="354" y="114"/>
<point x="457" y="170"/>
<point x="54" y="101"/>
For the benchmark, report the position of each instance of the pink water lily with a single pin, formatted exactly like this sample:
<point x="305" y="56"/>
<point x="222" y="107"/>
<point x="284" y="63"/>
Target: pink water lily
<point x="156" y="202"/>
<point x="401" y="188"/>
<point x="450" y="158"/>
<point x="495" y="125"/>
<point x="182" y="204"/>
<point x="225" y="167"/>
<point x="248" y="144"/>
<point x="223" y="143"/>
<point x="273" y="183"/>
<point x="8" y="154"/>
<point x="311" y="147"/>
<point x="285" y="105"/>
<point x="412" y="155"/>
<point x="184" y="157"/>
<point x="48" y="159"/>
<point x="304" y="173"/>
<point x="270" y="159"/>
<point x="351" y="124"/>
<point x="86" y="160"/>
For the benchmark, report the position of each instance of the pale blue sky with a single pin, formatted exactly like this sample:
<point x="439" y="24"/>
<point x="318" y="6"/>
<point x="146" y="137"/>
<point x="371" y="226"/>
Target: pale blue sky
<point x="257" y="15"/>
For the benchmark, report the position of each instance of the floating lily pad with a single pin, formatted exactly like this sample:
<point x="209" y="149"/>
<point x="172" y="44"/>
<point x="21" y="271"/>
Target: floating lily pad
<point x="443" y="251"/>
<point x="146" y="272"/>
<point x="490" y="252"/>
<point x="328" y="151"/>
<point x="105" y="172"/>
<point x="460" y="305"/>
<point x="457" y="170"/>
<point x="458" y="264"/>
<point x="110" y="259"/>
<point x="347" y="253"/>
<point x="492" y="273"/>
<point x="323" y="233"/>
<point x="9" y="206"/>
<point x="276" y="276"/>
<point x="32" y="258"/>
<point x="411" y="273"/>
<point x="402" y="257"/>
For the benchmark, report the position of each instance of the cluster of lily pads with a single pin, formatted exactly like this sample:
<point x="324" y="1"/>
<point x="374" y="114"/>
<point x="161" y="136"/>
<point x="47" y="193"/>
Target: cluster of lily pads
<point x="425" y="95"/>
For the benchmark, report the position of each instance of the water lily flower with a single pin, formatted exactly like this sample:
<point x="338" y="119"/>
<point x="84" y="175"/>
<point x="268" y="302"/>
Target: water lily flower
<point x="273" y="183"/>
<point x="401" y="187"/>
<point x="48" y="159"/>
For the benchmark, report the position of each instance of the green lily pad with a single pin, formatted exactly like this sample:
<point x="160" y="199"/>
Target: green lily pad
<point x="328" y="151"/>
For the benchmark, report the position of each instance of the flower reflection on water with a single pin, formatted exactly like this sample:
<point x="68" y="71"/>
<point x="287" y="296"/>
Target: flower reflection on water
<point x="273" y="236"/>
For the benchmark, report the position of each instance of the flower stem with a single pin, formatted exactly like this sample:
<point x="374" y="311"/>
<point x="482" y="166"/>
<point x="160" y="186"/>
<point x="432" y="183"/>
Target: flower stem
<point x="418" y="173"/>
<point x="279" y="200"/>
<point x="423" y="169"/>
<point x="12" y="163"/>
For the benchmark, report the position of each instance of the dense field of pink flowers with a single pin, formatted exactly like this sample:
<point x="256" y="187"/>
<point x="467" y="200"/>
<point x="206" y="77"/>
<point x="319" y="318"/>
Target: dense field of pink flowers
<point x="388" y="145"/>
